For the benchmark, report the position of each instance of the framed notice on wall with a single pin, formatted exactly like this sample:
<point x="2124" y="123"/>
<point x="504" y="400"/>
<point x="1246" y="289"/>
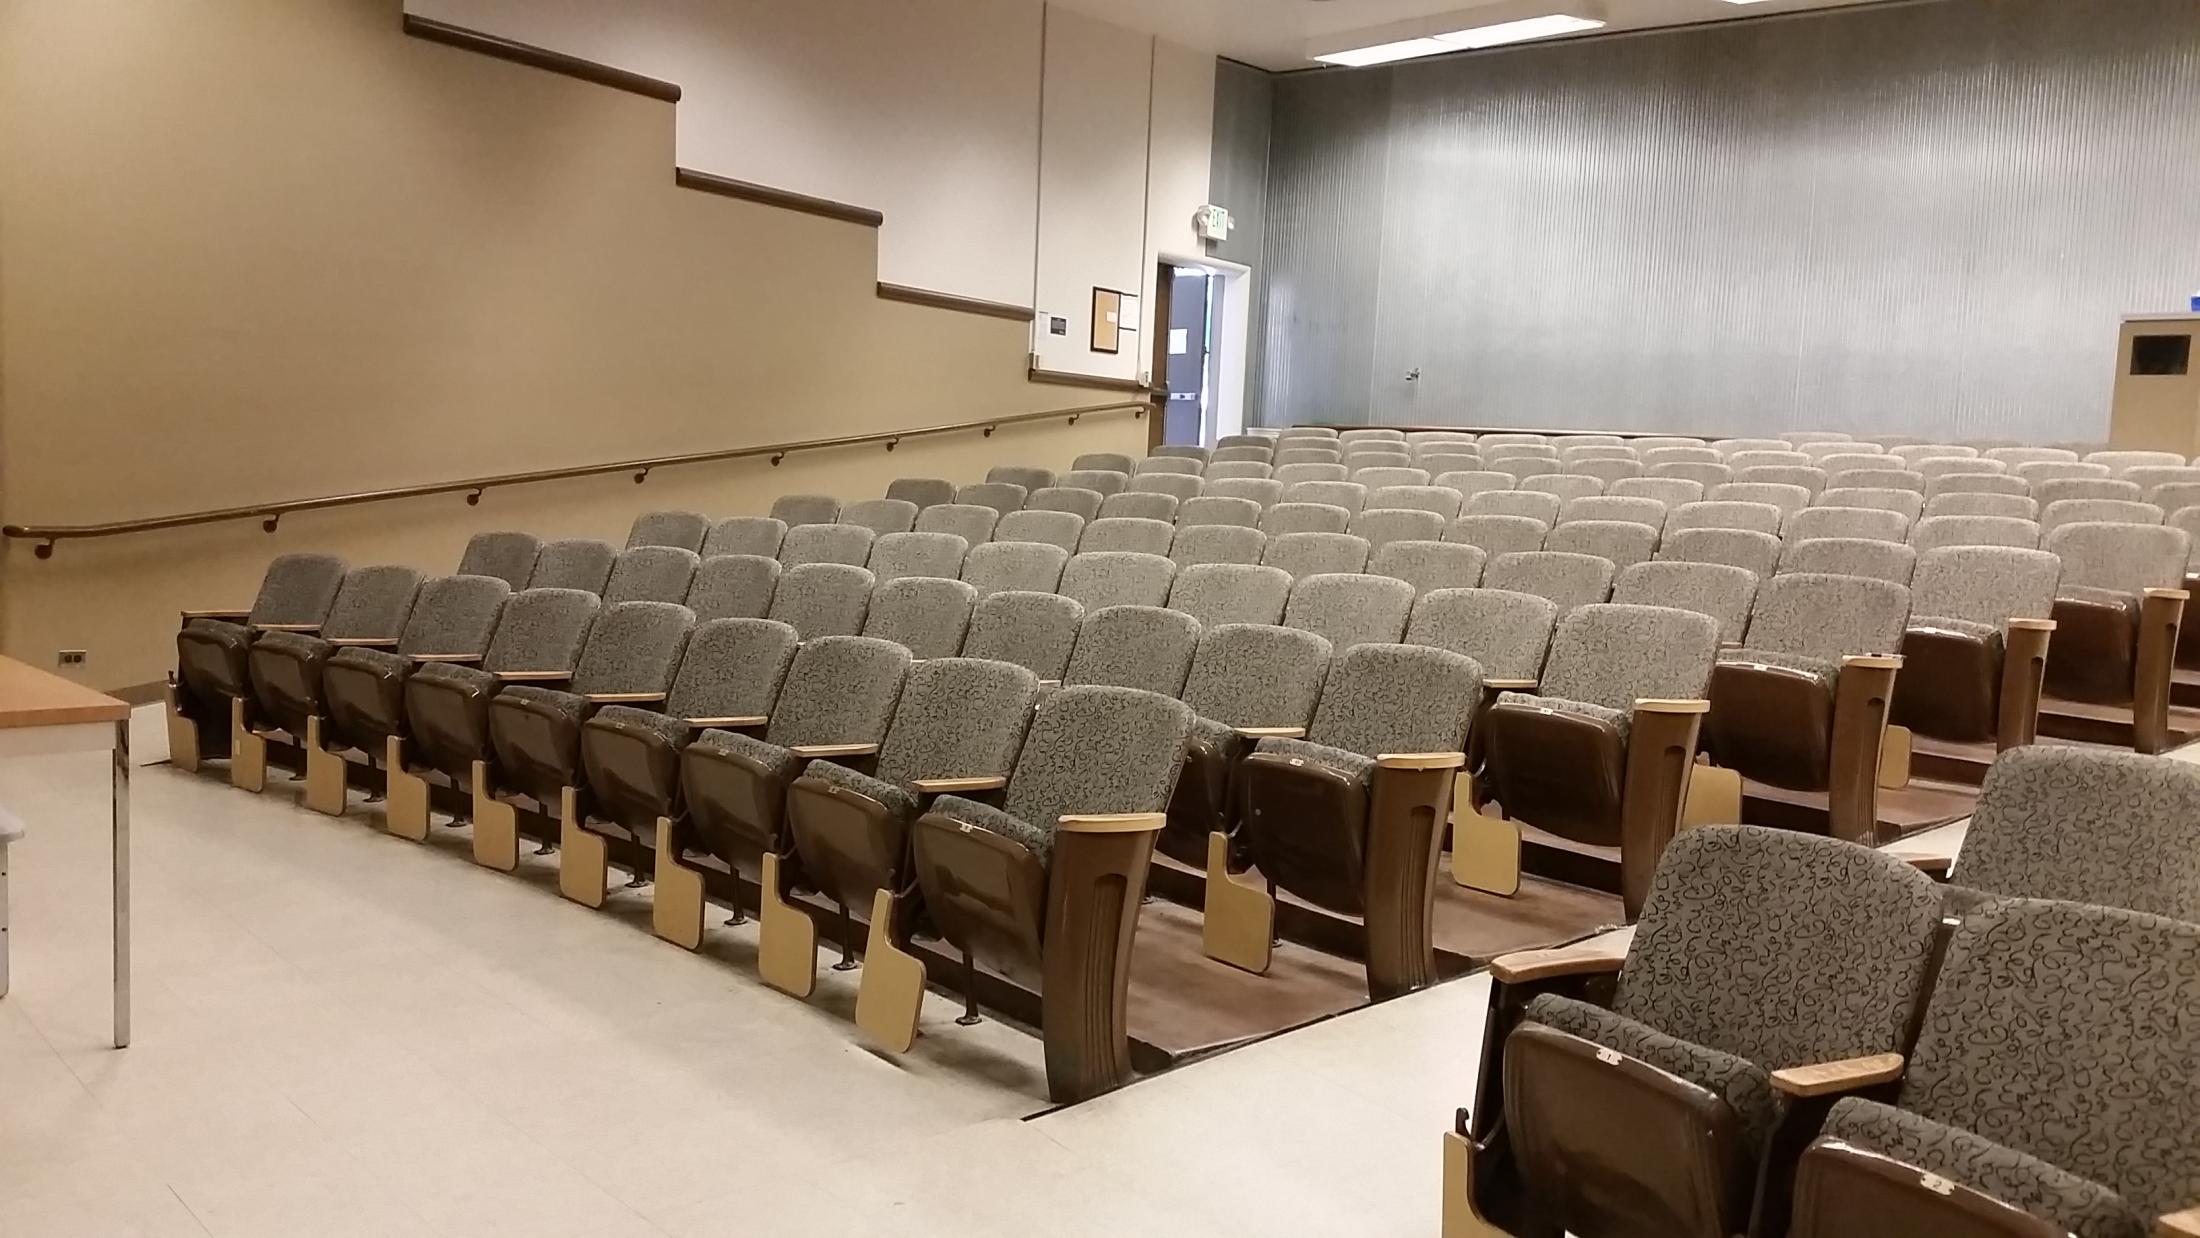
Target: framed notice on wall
<point x="1107" y="320"/>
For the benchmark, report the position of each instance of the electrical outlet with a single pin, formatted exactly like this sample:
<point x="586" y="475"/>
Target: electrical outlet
<point x="70" y="657"/>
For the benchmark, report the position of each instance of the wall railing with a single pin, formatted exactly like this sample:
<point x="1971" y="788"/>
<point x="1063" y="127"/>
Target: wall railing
<point x="270" y="514"/>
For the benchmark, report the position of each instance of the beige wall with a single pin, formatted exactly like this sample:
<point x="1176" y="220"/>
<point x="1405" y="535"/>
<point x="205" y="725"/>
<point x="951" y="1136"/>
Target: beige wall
<point x="264" y="249"/>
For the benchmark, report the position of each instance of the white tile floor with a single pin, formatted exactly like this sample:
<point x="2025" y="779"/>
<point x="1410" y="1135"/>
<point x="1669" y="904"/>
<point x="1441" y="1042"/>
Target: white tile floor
<point x="340" y="1033"/>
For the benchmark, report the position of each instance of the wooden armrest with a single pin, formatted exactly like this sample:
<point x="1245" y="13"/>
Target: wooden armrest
<point x="1265" y="732"/>
<point x="533" y="676"/>
<point x="1050" y="683"/>
<point x="1114" y="823"/>
<point x="943" y="786"/>
<point x="2032" y="625"/>
<point x="1598" y="955"/>
<point x="446" y="657"/>
<point x="2176" y="595"/>
<point x="1846" y="1075"/>
<point x="286" y="627"/>
<point x="812" y="752"/>
<point x="2185" y="1224"/>
<point x="218" y="613"/>
<point x="742" y="720"/>
<point x="623" y="698"/>
<point x="1420" y="760"/>
<point x="364" y="642"/>
<point x="1509" y="685"/>
<point x="1873" y="661"/>
<point x="1650" y="705"/>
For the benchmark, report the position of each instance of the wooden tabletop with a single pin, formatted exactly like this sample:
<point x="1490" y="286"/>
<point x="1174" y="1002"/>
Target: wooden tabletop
<point x="32" y="697"/>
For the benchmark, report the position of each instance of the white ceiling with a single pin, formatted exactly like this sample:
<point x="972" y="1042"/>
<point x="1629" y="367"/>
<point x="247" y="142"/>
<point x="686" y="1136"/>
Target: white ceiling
<point x="1273" y="33"/>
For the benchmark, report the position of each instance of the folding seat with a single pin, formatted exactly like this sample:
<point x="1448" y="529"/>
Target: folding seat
<point x="1441" y="500"/>
<point x="1851" y="556"/>
<point x="1975" y="652"/>
<point x="1809" y="480"/>
<point x="1350" y="817"/>
<point x="1213" y="509"/>
<point x="1945" y="467"/>
<point x="582" y="563"/>
<point x="210" y="694"/>
<point x="1646" y="443"/>
<point x="1803" y="703"/>
<point x="632" y="653"/>
<point x="1743" y="461"/>
<point x="1102" y="482"/>
<point x="1030" y="477"/>
<point x="2087" y="825"/>
<point x="1563" y="485"/>
<point x="801" y="509"/>
<point x="1570" y="454"/>
<point x="1216" y="543"/>
<point x="1144" y="647"/>
<point x="1304" y="518"/>
<point x="2052" y="492"/>
<point x="1879" y="479"/>
<point x="1934" y="532"/>
<point x="1292" y="474"/>
<point x="1378" y="478"/>
<point x="1843" y="447"/>
<point x="1509" y="439"/>
<point x="823" y="599"/>
<point x="2150" y="479"/>
<point x="1851" y="522"/>
<point x="510" y="557"/>
<point x="1724" y="514"/>
<point x="1469" y="483"/>
<point x="1227" y="452"/>
<point x="2097" y="511"/>
<point x="922" y="491"/>
<point x="1507" y="634"/>
<point x="1497" y="535"/>
<point x="1755" y="552"/>
<point x="1101" y="462"/>
<point x="1379" y="526"/>
<point x="2006" y="506"/>
<point x="2056" y="470"/>
<point x="1048" y="884"/>
<point x="2014" y="456"/>
<point x="1036" y="631"/>
<point x="1374" y="434"/>
<point x="972" y="522"/>
<point x="1911" y="503"/>
<point x="1642" y="511"/>
<point x="653" y="574"/>
<point x="1219" y="593"/>
<point x="1789" y="499"/>
<point x="1003" y="497"/>
<point x="1729" y="447"/>
<point x="1541" y="505"/>
<point x="682" y="529"/>
<point x="1661" y="1111"/>
<point x="1386" y="454"/>
<point x="1652" y="457"/>
<point x="1571" y="580"/>
<point x="1310" y="554"/>
<point x="2116" y="615"/>
<point x="1667" y="492"/>
<point x="370" y="610"/>
<point x="1180" y="486"/>
<point x="1621" y="542"/>
<point x="1061" y="529"/>
<point x="1429" y="565"/>
<point x="926" y="615"/>
<point x="827" y="543"/>
<point x="1127" y="533"/>
<point x="1465" y="437"/>
<point x="1350" y="608"/>
<point x="2038" y="1099"/>
<point x="1521" y="469"/>
<point x="1030" y="567"/>
<point x="1350" y="495"/>
<point x="1117" y="578"/>
<point x="1237" y="477"/>
<point x="1604" y="471"/>
<point x="1169" y="464"/>
<point x="1852" y="462"/>
<point x="1288" y="457"/>
<point x="2118" y="461"/>
<point x="1308" y="437"/>
<point x="1720" y="591"/>
<point x="1912" y="453"/>
<point x="735" y="587"/>
<point x="1976" y="483"/>
<point x="1704" y="473"/>
<point x="1438" y="463"/>
<point x="1522" y="451"/>
<point x="745" y="535"/>
<point x="881" y="516"/>
<point x="1798" y="439"/>
<point x="916" y="554"/>
<point x="1141" y="505"/>
<point x="1600" y="752"/>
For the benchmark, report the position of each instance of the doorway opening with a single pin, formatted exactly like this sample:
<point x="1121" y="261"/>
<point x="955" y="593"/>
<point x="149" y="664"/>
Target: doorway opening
<point x="1200" y="319"/>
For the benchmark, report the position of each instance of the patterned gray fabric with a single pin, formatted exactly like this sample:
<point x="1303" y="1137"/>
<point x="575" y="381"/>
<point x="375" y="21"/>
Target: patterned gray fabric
<point x="1756" y="553"/>
<point x="1144" y="647"/>
<point x="1299" y="454"/>
<point x="1570" y="580"/>
<point x="1349" y="609"/>
<point x="1183" y="466"/>
<point x="1808" y="479"/>
<point x="2175" y="497"/>
<point x="922" y="491"/>
<point x="1975" y="483"/>
<point x="1386" y="476"/>
<point x="1828" y="617"/>
<point x="1440" y="500"/>
<point x="2078" y="1205"/>
<point x="1243" y="470"/>
<point x="1003" y="497"/>
<point x="1179" y="486"/>
<point x="1216" y="543"/>
<point x="1471" y="482"/>
<point x="1606" y="470"/>
<point x="1825" y="670"/>
<point x="1703" y="472"/>
<point x="1219" y="593"/>
<point x="1621" y="721"/>
<point x="1718" y="590"/>
<point x="894" y="797"/>
<point x="2014" y="456"/>
<point x="1260" y="491"/>
<point x="1292" y="474"/>
<point x="1103" y="461"/>
<point x="1030" y="477"/>
<point x="917" y="554"/>
<point x="1788" y="498"/>
<point x="1083" y="504"/>
<point x="1769" y="457"/>
<point x="1539" y="505"/>
<point x="2187" y="521"/>
<point x="1383" y="699"/>
<point x="2066" y="1032"/>
<point x="1496" y="536"/>
<point x="826" y="543"/>
<point x="733" y="587"/>
<point x="1755" y="517"/>
<point x="651" y="574"/>
<point x="796" y="510"/>
<point x="1213" y="510"/>
<point x="453" y="614"/>
<point x="2050" y="493"/>
<point x="999" y="567"/>
<point x="297" y="588"/>
<point x="1304" y="518"/>
<point x="2088" y="826"/>
<point x="633" y="647"/>
<point x="1851" y="556"/>
<point x="840" y="690"/>
<point x="1053" y="528"/>
<point x="1104" y="482"/>
<point x="2123" y="558"/>
<point x="1643" y="511"/>
<point x="2151" y="478"/>
<point x="745" y="535"/>
<point x="2120" y="461"/>
<point x="1313" y="554"/>
<point x="1903" y="481"/>
<point x="1429" y="565"/>
<point x="510" y="557"/>
<point x="2052" y="470"/>
<point x="1934" y="532"/>
<point x="1141" y="505"/>
<point x="1613" y="655"/>
<point x="1562" y="485"/>
<point x="881" y="516"/>
<point x="1118" y="578"/>
<point x="1655" y="456"/>
<point x="1131" y="534"/>
<point x="1349" y="495"/>
<point x="1909" y="503"/>
<point x="772" y="757"/>
<point x="372" y="603"/>
<point x="1670" y="491"/>
<point x="1507" y="634"/>
<point x="823" y="599"/>
<point x="732" y="669"/>
<point x="958" y="718"/>
<point x="1985" y="584"/>
<point x="1745" y="1086"/>
<point x="1620" y="543"/>
<point x="1353" y="765"/>
<point x="972" y="522"/>
<point x="540" y="630"/>
<point x="1931" y="469"/>
<point x="2097" y="511"/>
<point x="1847" y="522"/>
<point x="685" y="530"/>
<point x="925" y="614"/>
<point x="1032" y="630"/>
<point x="1380" y="526"/>
<point x="1256" y="675"/>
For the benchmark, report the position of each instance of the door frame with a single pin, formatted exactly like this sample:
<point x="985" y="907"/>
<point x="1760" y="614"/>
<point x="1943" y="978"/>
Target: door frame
<point x="1230" y="309"/>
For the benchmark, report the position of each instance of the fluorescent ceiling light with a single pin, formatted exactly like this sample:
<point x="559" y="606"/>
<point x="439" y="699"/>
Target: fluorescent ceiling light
<point x="1384" y="53"/>
<point x="1523" y="30"/>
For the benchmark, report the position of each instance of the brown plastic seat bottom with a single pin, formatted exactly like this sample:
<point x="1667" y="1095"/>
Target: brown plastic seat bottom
<point x="1845" y="1192"/>
<point x="1560" y="772"/>
<point x="1950" y="686"/>
<point x="1771" y="723"/>
<point x="1306" y="828"/>
<point x="2095" y="648"/>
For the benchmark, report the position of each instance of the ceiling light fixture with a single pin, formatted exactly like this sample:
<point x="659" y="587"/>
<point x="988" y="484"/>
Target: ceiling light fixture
<point x="1490" y="24"/>
<point x="1384" y="53"/>
<point x="1545" y="27"/>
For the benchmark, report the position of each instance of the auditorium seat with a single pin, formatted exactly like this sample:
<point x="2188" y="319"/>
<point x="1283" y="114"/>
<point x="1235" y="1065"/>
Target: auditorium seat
<point x="1521" y="468"/>
<point x="1030" y="477"/>
<point x="1508" y="439"/>
<point x="1910" y="453"/>
<point x="1438" y="499"/>
<point x="1474" y="481"/>
<point x="1084" y="504"/>
<point x="510" y="557"/>
<point x="668" y="528"/>
<point x="1179" y="486"/>
<point x="1868" y="557"/>
<point x="1438" y="463"/>
<point x="1634" y="510"/>
<point x="1300" y="456"/>
<point x="655" y="574"/>
<point x="1788" y="499"/>
<point x="1292" y="474"/>
<point x="1257" y="490"/>
<point x="734" y="587"/>
<point x="827" y="543"/>
<point x="972" y="522"/>
<point x="1117" y="578"/>
<point x="2117" y="613"/>
<point x="2084" y="825"/>
<point x="1349" y="495"/>
<point x="1211" y="509"/>
<point x="1169" y="464"/>
<point x="1127" y="533"/>
<point x="1606" y="472"/>
<point x="998" y="567"/>
<point x="1381" y="476"/>
<point x="1571" y="580"/>
<point x="370" y="611"/>
<point x="1717" y="590"/>
<point x="211" y="691"/>
<point x="1052" y="528"/>
<point x="2151" y="478"/>
<point x="1975" y="652"/>
<point x="2118" y="461"/>
<point x="1910" y="503"/>
<point x="1946" y="467"/>
<point x="1497" y="535"/>
<point x="823" y="599"/>
<point x="2035" y="474"/>
<point x="1309" y="554"/>
<point x="1428" y="564"/>
<point x="1745" y="461"/>
<point x="1371" y="434"/>
<point x="1730" y="447"/>
<point x="1379" y="526"/>
<point x="1003" y="497"/>
<point x="1647" y="443"/>
<point x="1537" y="505"/>
<point x="1102" y="462"/>
<point x="881" y="516"/>
<point x="926" y="615"/>
<point x="1755" y="552"/>
<point x="1241" y="455"/>
<point x="1621" y="543"/>
<point x="2050" y="493"/>
<point x="1820" y="450"/>
<point x="1653" y="457"/>
<point x="1724" y="514"/>
<point x="1705" y="473"/>
<point x="1562" y="485"/>
<point x="1848" y="522"/>
<point x="1800" y="439"/>
<point x="745" y="535"/>
<point x="802" y="509"/>
<point x="1976" y="483"/>
<point x="1216" y="543"/>
<point x="2097" y="511"/>
<point x="1304" y="518"/>
<point x="1219" y="593"/>
<point x="1571" y="452"/>
<point x="1507" y="634"/>
<point x="1349" y="608"/>
<point x="1144" y="647"/>
<point x="1034" y="630"/>
<point x="1808" y="480"/>
<point x="922" y="491"/>
<point x="2009" y="506"/>
<point x="1852" y="462"/>
<point x="582" y="563"/>
<point x="1934" y="532"/>
<point x="1103" y="482"/>
<point x="2014" y="456"/>
<point x="916" y="554"/>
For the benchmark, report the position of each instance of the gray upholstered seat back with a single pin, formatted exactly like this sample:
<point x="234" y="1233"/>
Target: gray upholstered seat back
<point x="1079" y="502"/>
<point x="1349" y="495"/>
<point x="1386" y="476"/>
<point x="1562" y="486"/>
<point x="1182" y="465"/>
<point x="1933" y="532"/>
<point x="454" y="614"/>
<point x="1127" y="533"/>
<point x="1312" y="554"/>
<point x="1117" y="578"/>
<point x="651" y="574"/>
<point x="1030" y="476"/>
<point x="1787" y="497"/>
<point x="2050" y="493"/>
<point x="298" y="588"/>
<point x="1218" y="509"/>
<point x="1900" y="481"/>
<point x="1605" y="469"/>
<point x="1031" y="629"/>
<point x="1382" y="698"/>
<point x="1829" y="618"/>
<point x="997" y="567"/>
<point x="1540" y="505"/>
<point x="1622" y="543"/>
<point x="1304" y="518"/>
<point x="1806" y="478"/>
<point x="881" y="516"/>
<point x="972" y="522"/>
<point x="1216" y="543"/>
<point x="668" y="528"/>
<point x="745" y="535"/>
<point x="574" y="563"/>
<point x="634" y="647"/>
<point x="1054" y="528"/>
<point x="926" y="614"/>
<point x="2120" y="461"/>
<point x="1755" y="517"/>
<point x="1218" y="593"/>
<point x="2088" y="826"/>
<point x="1262" y="489"/>
<point x="1257" y="675"/>
<point x="1498" y="535"/>
<point x="733" y="587"/>
<point x="922" y="491"/>
<point x="1850" y="522"/>
<point x="826" y="543"/>
<point x="917" y="554"/>
<point x="2038" y="473"/>
<point x="1098" y="750"/>
<point x="823" y="599"/>
<point x="1669" y="491"/>
<point x="1292" y="473"/>
<point x="1976" y="483"/>
<point x="2014" y="456"/>
<point x="1350" y="608"/>
<point x="1442" y="500"/>
<point x="840" y="690"/>
<point x="1101" y="481"/>
<point x="1570" y="580"/>
<point x="1615" y="655"/>
<point x="372" y="603"/>
<point x="2127" y="558"/>
<point x="1754" y="552"/>
<point x="1144" y="647"/>
<point x="1179" y="486"/>
<point x="1824" y="959"/>
<point x="1910" y="503"/>
<point x="1507" y="634"/>
<point x="1237" y="470"/>
<point x="958" y="718"/>
<point x="1985" y="584"/>
<point x="1379" y="526"/>
<point x="1851" y="556"/>
<point x="541" y="630"/>
<point x="732" y="669"/>
<point x="508" y="556"/>
<point x="1103" y="461"/>
<point x="1428" y="565"/>
<point x="2097" y="511"/>
<point x="1718" y="590"/>
<point x="1140" y="504"/>
<point x="1632" y="509"/>
<point x="801" y="509"/>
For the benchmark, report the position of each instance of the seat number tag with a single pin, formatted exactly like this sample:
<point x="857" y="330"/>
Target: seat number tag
<point x="1936" y="1184"/>
<point x="1610" y="1057"/>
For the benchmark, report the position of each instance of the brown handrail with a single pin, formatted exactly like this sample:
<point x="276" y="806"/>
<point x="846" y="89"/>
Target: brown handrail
<point x="269" y="514"/>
